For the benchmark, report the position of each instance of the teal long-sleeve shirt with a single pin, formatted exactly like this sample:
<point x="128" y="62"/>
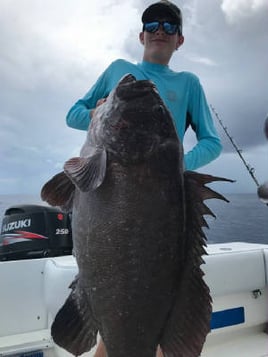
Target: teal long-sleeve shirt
<point x="181" y="92"/>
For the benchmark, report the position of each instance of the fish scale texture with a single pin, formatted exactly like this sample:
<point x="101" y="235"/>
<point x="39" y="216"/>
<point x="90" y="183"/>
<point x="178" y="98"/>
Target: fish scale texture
<point x="133" y="265"/>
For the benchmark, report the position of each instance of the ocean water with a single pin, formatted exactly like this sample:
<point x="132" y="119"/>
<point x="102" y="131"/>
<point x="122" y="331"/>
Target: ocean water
<point x="243" y="219"/>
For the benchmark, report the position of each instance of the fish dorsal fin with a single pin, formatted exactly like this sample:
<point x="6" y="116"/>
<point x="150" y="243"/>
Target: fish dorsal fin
<point x="199" y="191"/>
<point x="186" y="336"/>
<point x="59" y="191"/>
<point x="87" y="173"/>
<point x="196" y="192"/>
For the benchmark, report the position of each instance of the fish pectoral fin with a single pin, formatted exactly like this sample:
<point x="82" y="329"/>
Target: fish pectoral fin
<point x="87" y="173"/>
<point x="75" y="328"/>
<point x="59" y="191"/>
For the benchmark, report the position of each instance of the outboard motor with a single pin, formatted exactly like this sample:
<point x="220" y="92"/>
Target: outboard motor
<point x="34" y="231"/>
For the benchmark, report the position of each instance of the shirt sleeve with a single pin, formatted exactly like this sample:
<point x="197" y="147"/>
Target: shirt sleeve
<point x="78" y="116"/>
<point x="208" y="147"/>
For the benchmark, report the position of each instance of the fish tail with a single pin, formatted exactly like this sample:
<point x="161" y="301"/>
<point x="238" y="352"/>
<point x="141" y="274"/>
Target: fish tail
<point x="74" y="327"/>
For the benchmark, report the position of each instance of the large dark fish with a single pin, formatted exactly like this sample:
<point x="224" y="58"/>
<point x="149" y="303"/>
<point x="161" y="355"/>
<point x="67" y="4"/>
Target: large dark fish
<point x="137" y="229"/>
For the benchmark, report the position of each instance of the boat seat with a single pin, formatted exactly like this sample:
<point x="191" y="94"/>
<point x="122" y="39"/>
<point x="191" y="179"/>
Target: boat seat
<point x="21" y="309"/>
<point x="235" y="272"/>
<point x="59" y="272"/>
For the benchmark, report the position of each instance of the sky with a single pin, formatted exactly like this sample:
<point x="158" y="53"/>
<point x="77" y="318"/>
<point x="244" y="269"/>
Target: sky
<point x="52" y="52"/>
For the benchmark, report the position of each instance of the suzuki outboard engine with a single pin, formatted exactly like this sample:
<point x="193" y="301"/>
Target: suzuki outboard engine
<point x="33" y="231"/>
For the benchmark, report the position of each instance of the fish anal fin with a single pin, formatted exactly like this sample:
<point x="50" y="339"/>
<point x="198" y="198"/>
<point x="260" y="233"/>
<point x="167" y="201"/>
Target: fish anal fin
<point x="87" y="173"/>
<point x="74" y="327"/>
<point x="59" y="191"/>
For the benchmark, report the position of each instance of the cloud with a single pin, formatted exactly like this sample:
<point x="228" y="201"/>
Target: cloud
<point x="51" y="53"/>
<point x="240" y="11"/>
<point x="202" y="60"/>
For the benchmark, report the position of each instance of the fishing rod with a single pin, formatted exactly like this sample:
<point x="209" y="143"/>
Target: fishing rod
<point x="249" y="168"/>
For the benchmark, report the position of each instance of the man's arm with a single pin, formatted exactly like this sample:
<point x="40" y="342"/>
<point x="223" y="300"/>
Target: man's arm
<point x="81" y="112"/>
<point x="209" y="145"/>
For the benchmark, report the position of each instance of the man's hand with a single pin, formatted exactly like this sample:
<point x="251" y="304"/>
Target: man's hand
<point x="99" y="102"/>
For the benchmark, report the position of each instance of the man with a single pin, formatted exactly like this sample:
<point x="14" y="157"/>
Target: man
<point x="181" y="91"/>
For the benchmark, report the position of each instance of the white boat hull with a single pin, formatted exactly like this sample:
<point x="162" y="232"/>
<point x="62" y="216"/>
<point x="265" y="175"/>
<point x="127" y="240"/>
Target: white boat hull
<point x="32" y="291"/>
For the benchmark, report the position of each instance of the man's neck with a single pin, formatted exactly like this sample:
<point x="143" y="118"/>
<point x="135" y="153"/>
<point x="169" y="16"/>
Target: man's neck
<point x="156" y="59"/>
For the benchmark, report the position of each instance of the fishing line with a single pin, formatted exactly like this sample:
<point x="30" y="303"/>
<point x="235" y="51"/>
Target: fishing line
<point x="249" y="168"/>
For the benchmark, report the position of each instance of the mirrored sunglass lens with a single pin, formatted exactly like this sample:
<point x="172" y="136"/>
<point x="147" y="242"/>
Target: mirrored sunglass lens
<point x="170" y="28"/>
<point x="151" y="26"/>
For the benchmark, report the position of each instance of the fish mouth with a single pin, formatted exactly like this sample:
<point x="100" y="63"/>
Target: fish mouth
<point x="128" y="78"/>
<point x="130" y="88"/>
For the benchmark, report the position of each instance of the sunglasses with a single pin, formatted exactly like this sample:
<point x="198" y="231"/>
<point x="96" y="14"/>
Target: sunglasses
<point x="169" y="29"/>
